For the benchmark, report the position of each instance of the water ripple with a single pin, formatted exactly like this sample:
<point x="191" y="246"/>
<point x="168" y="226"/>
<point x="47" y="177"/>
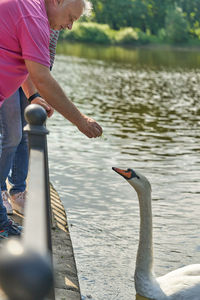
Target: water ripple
<point x="151" y="121"/>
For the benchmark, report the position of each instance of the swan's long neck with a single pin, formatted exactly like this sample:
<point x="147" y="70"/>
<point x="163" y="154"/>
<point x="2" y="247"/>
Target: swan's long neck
<point x="144" y="262"/>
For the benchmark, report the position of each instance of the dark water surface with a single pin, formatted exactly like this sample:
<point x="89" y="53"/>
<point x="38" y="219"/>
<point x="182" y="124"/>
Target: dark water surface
<point x="148" y="102"/>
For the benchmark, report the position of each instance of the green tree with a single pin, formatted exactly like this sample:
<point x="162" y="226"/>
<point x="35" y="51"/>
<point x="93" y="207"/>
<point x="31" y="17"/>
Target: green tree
<point x="177" y="28"/>
<point x="151" y="16"/>
<point x="115" y="13"/>
<point x="157" y="10"/>
<point x="191" y="9"/>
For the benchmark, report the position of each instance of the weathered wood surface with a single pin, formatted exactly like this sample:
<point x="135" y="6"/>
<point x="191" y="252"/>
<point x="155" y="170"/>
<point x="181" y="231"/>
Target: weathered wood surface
<point x="66" y="279"/>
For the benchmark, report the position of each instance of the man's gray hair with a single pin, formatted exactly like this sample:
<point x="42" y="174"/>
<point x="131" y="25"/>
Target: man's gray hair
<point x="87" y="7"/>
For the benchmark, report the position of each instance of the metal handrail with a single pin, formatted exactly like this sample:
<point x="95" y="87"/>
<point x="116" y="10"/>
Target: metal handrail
<point x="26" y="267"/>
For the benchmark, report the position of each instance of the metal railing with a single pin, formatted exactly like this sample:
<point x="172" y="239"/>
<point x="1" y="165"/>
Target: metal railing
<point x="26" y="267"/>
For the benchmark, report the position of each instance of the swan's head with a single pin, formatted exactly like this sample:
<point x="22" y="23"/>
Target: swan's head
<point x="138" y="181"/>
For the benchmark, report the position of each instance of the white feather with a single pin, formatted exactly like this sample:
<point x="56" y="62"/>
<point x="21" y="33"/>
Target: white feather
<point x="180" y="284"/>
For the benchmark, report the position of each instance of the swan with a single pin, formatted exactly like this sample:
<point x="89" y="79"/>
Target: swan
<point x="180" y="284"/>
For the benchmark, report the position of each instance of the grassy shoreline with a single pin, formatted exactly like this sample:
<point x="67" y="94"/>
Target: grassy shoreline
<point x="101" y="34"/>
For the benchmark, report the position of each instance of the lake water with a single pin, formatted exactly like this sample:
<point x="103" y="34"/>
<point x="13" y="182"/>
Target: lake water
<point x="148" y="103"/>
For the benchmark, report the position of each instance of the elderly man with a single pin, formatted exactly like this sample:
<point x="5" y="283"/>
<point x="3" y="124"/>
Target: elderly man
<point x="24" y="49"/>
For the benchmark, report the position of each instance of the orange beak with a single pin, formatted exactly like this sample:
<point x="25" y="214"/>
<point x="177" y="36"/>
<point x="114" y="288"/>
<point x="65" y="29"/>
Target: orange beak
<point x="127" y="174"/>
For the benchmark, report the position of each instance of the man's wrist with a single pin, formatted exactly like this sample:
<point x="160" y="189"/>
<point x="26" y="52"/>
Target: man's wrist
<point x="32" y="97"/>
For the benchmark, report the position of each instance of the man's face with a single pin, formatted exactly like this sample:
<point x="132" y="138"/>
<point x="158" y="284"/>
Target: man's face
<point x="65" y="13"/>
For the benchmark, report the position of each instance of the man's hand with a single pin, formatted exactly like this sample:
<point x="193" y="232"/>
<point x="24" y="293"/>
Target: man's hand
<point x="43" y="103"/>
<point x="89" y="127"/>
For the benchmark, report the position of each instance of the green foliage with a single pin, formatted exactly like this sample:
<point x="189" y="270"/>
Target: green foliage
<point x="89" y="32"/>
<point x="191" y="8"/>
<point x="134" y="22"/>
<point x="196" y="32"/>
<point x="126" y="36"/>
<point x="144" y="38"/>
<point x="177" y="29"/>
<point x="162" y="35"/>
<point x="115" y="13"/>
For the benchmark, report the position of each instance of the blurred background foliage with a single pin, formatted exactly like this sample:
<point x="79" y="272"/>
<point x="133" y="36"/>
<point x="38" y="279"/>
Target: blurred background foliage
<point x="139" y="22"/>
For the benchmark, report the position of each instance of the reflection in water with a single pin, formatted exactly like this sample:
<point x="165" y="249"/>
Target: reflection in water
<point x="137" y="57"/>
<point x="151" y="119"/>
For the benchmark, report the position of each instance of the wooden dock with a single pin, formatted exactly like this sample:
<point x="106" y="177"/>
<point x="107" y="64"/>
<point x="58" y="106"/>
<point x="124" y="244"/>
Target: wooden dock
<point x="65" y="271"/>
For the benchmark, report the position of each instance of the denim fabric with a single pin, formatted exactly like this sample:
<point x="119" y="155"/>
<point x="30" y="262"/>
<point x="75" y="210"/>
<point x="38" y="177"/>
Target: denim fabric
<point x="12" y="137"/>
<point x="19" y="170"/>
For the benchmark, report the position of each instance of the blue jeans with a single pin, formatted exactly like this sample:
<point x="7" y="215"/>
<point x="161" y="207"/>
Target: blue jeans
<point x="13" y="146"/>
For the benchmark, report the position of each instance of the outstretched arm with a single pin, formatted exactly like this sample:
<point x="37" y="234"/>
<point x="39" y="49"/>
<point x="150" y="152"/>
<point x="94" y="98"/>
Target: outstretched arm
<point x="54" y="95"/>
<point x="30" y="89"/>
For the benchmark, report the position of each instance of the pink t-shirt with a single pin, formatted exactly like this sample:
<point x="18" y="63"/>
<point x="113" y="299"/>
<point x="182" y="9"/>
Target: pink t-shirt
<point x="24" y="34"/>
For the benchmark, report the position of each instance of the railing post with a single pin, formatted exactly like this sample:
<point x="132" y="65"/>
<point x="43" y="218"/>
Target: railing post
<point x="38" y="208"/>
<point x="26" y="269"/>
